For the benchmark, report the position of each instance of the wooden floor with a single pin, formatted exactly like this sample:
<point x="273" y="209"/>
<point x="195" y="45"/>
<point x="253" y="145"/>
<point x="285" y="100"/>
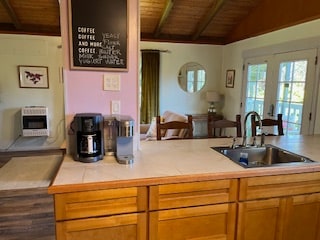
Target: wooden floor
<point x="26" y="214"/>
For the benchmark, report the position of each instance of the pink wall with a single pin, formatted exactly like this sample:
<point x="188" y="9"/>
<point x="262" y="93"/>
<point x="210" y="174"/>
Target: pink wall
<point x="83" y="89"/>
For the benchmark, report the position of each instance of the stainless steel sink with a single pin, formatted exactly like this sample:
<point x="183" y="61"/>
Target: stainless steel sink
<point x="265" y="156"/>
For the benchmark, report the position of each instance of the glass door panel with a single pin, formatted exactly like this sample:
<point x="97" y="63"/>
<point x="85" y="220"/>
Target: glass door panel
<point x="256" y="77"/>
<point x="296" y="73"/>
<point x="282" y="83"/>
<point x="291" y="91"/>
<point x="255" y="87"/>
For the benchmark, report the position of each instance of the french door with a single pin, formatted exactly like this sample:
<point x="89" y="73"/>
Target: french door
<point x="282" y="83"/>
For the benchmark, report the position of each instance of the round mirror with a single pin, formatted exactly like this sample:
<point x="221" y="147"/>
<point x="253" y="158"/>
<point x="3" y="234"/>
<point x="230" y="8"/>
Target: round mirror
<point x="192" y="77"/>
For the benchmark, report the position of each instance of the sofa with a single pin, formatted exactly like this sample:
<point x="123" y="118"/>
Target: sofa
<point x="149" y="131"/>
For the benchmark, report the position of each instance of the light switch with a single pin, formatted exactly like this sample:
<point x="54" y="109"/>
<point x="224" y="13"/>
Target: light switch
<point x="111" y="82"/>
<point x="115" y="107"/>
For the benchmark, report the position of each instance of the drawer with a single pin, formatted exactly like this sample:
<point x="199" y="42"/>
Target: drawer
<point x="100" y="203"/>
<point x="192" y="194"/>
<point x="279" y="185"/>
<point x="124" y="226"/>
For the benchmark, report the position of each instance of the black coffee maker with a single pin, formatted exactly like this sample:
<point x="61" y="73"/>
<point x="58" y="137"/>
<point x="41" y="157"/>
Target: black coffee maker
<point x="89" y="137"/>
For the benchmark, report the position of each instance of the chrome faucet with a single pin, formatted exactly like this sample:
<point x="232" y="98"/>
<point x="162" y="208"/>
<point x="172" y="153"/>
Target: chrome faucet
<point x="244" y="140"/>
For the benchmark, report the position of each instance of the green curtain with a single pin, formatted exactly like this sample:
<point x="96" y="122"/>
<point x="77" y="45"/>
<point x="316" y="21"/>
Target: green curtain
<point x="150" y="67"/>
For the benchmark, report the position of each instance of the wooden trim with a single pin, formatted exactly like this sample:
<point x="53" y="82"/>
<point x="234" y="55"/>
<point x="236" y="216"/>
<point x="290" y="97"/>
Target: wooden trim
<point x="88" y="186"/>
<point x="153" y="225"/>
<point x="142" y="199"/>
<point x="154" y="197"/>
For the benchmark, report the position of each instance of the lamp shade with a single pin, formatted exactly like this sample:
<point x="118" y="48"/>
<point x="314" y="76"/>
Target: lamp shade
<point x="213" y="96"/>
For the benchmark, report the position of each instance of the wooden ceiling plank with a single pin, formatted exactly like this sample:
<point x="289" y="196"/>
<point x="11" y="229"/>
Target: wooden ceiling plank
<point x="6" y="4"/>
<point x="207" y="19"/>
<point x="272" y="15"/>
<point x="164" y="17"/>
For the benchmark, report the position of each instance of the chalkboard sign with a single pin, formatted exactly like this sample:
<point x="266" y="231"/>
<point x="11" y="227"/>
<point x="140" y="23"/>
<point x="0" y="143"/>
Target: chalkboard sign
<point x="98" y="34"/>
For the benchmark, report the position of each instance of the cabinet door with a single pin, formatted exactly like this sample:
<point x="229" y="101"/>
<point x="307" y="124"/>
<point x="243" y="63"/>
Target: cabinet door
<point x="119" y="227"/>
<point x="261" y="220"/>
<point x="199" y="223"/>
<point x="303" y="217"/>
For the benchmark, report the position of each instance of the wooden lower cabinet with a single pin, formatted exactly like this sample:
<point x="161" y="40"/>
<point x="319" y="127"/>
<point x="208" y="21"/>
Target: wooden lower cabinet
<point x="261" y="219"/>
<point x="119" y="227"/>
<point x="291" y="218"/>
<point x="280" y="207"/>
<point x="302" y="219"/>
<point x="213" y="222"/>
<point x="115" y="214"/>
<point x="196" y="211"/>
<point x="193" y="211"/>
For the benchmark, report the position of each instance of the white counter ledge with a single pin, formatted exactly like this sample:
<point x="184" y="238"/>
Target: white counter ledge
<point x="177" y="161"/>
<point x="29" y="172"/>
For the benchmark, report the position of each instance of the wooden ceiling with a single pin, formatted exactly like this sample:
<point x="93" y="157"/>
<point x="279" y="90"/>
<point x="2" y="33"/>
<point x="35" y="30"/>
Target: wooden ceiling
<point x="220" y="21"/>
<point x="188" y="21"/>
<point x="192" y="20"/>
<point x="40" y="17"/>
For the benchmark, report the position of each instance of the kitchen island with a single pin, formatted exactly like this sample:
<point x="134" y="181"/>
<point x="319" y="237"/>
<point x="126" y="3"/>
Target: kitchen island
<point x="187" y="186"/>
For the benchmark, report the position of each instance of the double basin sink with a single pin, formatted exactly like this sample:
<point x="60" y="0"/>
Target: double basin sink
<point x="264" y="156"/>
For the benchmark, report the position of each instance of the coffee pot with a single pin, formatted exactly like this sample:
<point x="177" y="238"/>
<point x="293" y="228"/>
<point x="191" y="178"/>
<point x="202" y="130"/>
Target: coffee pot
<point x="89" y="137"/>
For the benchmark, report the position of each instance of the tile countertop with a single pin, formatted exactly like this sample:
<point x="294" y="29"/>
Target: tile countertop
<point x="173" y="161"/>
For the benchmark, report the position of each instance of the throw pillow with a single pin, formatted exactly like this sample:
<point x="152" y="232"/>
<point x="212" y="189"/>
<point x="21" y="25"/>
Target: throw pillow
<point x="152" y="131"/>
<point x="172" y="116"/>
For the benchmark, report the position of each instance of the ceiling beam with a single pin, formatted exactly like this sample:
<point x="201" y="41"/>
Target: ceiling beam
<point x="207" y="19"/>
<point x="181" y="39"/>
<point x="11" y="13"/>
<point x="164" y="17"/>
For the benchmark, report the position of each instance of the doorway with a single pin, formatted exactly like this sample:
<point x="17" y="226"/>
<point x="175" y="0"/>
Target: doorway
<point x="282" y="83"/>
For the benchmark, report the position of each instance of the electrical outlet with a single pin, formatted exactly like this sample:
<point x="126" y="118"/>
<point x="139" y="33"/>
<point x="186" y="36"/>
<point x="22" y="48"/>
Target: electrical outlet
<point x="115" y="107"/>
<point x="111" y="82"/>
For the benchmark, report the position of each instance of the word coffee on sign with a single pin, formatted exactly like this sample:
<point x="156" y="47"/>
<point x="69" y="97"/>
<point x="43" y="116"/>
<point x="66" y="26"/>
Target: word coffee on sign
<point x="98" y="50"/>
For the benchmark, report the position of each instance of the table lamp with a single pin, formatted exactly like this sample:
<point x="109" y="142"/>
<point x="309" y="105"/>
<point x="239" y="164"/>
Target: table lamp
<point x="212" y="97"/>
